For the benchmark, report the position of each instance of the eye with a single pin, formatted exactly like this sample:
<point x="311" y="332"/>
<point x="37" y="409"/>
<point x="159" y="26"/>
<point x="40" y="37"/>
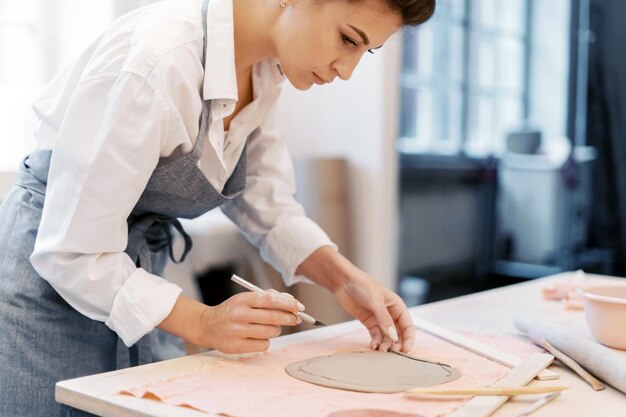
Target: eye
<point x="346" y="40"/>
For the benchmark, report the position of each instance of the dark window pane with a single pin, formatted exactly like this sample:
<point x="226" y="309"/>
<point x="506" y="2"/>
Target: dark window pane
<point x="409" y="49"/>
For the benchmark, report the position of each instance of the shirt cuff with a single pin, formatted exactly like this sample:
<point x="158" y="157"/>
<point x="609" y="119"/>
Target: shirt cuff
<point x="140" y="305"/>
<point x="289" y="243"/>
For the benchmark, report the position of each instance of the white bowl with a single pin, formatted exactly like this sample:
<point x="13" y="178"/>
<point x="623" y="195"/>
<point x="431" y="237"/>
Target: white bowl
<point x="605" y="312"/>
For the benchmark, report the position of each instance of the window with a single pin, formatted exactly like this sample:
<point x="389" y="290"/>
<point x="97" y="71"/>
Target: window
<point x="465" y="77"/>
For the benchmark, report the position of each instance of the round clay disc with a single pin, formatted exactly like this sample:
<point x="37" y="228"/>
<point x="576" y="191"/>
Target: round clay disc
<point x="372" y="371"/>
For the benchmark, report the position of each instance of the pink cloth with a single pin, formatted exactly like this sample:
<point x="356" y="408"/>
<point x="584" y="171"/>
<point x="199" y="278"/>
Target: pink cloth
<point x="259" y="386"/>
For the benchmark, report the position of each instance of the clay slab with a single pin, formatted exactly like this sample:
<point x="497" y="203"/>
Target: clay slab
<point x="372" y="371"/>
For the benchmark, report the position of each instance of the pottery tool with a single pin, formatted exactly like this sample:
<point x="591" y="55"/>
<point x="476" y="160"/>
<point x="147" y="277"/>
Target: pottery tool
<point x="249" y="286"/>
<point x="507" y="391"/>
<point x="477" y="347"/>
<point x="540" y="403"/>
<point x="590" y="379"/>
<point x="606" y="364"/>
<point x="519" y="376"/>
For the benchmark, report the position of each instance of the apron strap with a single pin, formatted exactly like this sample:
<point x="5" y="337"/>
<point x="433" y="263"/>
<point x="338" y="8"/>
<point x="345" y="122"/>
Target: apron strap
<point x="151" y="233"/>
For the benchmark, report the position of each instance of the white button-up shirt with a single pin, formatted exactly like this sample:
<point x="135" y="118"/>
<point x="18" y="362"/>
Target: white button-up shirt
<point x="130" y="99"/>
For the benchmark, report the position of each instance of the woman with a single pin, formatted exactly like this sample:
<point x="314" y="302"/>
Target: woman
<point x="163" y="117"/>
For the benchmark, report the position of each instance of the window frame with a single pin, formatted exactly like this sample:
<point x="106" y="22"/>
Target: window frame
<point x="439" y="84"/>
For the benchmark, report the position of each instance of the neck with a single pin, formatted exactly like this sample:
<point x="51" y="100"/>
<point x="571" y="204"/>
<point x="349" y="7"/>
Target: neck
<point x="252" y="21"/>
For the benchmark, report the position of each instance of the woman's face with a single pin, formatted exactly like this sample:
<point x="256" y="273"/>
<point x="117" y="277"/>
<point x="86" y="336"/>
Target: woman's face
<point x="319" y="40"/>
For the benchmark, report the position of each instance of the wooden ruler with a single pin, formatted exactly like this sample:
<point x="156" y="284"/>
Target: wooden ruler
<point x="519" y="376"/>
<point x="477" y="347"/>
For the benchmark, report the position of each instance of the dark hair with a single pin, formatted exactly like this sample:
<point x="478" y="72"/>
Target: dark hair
<point x="412" y="12"/>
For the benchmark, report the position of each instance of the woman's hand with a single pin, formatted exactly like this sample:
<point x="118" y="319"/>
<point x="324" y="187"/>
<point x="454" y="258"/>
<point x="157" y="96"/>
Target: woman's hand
<point x="382" y="311"/>
<point x="247" y="321"/>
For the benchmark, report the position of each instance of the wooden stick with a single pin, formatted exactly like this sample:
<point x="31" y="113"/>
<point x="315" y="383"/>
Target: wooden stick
<point x="521" y="375"/>
<point x="590" y="379"/>
<point x="477" y="347"/>
<point x="540" y="403"/>
<point x="508" y="391"/>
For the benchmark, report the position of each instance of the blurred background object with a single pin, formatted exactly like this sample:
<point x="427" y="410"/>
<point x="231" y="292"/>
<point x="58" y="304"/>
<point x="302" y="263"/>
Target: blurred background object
<point x="527" y="141"/>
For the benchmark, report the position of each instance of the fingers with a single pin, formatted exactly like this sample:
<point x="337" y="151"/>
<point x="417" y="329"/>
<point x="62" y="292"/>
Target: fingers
<point x="253" y="338"/>
<point x="271" y="317"/>
<point x="386" y="324"/>
<point x="380" y="340"/>
<point x="255" y="345"/>
<point x="407" y="329"/>
<point x="405" y="324"/>
<point x="261" y="331"/>
<point x="278" y="310"/>
<point x="377" y="337"/>
<point x="275" y="300"/>
<point x="246" y="321"/>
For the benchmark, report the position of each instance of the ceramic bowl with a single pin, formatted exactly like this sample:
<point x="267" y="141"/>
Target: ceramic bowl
<point x="605" y="312"/>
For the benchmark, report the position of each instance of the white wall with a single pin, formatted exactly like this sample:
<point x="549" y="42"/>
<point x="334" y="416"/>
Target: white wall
<point x="61" y="29"/>
<point x="358" y="121"/>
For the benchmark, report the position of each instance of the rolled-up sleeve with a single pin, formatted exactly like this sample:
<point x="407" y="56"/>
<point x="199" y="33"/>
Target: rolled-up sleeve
<point x="104" y="155"/>
<point x="268" y="213"/>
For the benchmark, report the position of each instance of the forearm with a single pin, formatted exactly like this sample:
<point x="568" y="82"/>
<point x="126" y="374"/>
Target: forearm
<point x="185" y="320"/>
<point x="327" y="268"/>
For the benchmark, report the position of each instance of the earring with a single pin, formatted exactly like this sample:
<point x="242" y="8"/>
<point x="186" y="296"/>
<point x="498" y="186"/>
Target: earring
<point x="283" y="3"/>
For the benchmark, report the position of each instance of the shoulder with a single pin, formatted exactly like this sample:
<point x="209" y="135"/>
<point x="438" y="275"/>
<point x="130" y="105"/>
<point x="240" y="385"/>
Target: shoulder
<point x="140" y="41"/>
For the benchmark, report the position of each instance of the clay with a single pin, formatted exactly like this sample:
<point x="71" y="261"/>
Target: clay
<point x="372" y="371"/>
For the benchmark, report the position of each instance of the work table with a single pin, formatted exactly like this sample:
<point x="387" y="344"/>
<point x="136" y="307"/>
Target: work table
<point x="485" y="313"/>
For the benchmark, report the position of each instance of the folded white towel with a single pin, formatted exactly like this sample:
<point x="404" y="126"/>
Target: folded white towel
<point x="605" y="363"/>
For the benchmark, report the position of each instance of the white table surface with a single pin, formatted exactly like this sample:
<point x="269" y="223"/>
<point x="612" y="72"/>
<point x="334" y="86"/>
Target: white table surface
<point x="489" y="313"/>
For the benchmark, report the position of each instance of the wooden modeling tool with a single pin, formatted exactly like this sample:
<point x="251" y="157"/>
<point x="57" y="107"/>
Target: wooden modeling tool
<point x="573" y="365"/>
<point x="477" y="347"/>
<point x="519" y="376"/>
<point x="507" y="391"/>
<point x="540" y="403"/>
<point x="250" y="286"/>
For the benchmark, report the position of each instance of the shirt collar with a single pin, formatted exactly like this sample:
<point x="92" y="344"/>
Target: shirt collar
<point x="220" y="74"/>
<point x="277" y="74"/>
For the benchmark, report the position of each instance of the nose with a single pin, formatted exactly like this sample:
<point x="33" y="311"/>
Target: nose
<point x="344" y="67"/>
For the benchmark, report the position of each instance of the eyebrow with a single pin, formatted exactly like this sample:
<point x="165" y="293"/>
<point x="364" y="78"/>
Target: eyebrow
<point x="366" y="41"/>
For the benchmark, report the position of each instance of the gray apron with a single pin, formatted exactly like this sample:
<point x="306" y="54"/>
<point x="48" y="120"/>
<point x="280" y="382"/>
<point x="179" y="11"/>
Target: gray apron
<point x="42" y="338"/>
